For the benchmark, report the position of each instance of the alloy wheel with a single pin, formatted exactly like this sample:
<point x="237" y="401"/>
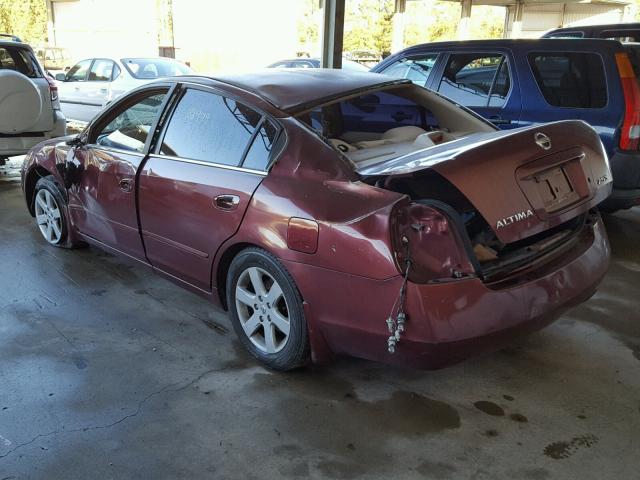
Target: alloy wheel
<point x="262" y="310"/>
<point x="48" y="216"/>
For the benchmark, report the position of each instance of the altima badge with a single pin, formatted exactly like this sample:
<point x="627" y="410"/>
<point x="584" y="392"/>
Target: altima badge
<point x="542" y="140"/>
<point x="516" y="217"/>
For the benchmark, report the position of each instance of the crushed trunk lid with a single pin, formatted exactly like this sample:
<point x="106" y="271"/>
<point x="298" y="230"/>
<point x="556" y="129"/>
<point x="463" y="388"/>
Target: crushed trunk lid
<point x="522" y="181"/>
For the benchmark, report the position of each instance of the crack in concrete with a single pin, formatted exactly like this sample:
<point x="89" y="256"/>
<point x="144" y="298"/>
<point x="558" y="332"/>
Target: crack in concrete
<point x="141" y="403"/>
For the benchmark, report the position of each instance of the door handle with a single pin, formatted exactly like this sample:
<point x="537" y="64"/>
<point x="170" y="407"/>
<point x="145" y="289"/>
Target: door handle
<point x="498" y="120"/>
<point x="126" y="184"/>
<point x="103" y="90"/>
<point x="226" y="201"/>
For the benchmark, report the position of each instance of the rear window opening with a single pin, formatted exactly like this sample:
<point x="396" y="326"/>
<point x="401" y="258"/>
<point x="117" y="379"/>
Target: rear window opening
<point x="494" y="260"/>
<point x="389" y="123"/>
<point x="19" y="60"/>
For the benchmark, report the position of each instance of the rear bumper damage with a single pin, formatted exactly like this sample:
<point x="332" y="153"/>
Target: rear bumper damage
<point x="448" y="321"/>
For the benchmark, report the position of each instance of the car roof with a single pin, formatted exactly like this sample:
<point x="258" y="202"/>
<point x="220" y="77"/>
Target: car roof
<point x="297" y="89"/>
<point x="607" y="26"/>
<point x="547" y="43"/>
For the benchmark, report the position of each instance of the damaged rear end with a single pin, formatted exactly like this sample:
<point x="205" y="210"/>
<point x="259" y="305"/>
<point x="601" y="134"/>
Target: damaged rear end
<point x="496" y="206"/>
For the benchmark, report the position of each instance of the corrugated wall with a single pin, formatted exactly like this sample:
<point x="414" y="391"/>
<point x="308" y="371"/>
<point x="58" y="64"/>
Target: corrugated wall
<point x="538" y="18"/>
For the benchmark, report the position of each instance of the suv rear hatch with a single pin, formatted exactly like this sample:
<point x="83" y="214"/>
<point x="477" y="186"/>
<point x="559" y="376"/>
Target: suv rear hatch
<point x="511" y="189"/>
<point x="21" y="58"/>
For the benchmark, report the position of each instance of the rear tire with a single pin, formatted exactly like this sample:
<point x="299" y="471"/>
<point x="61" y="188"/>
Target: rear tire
<point x="51" y="214"/>
<point x="266" y="310"/>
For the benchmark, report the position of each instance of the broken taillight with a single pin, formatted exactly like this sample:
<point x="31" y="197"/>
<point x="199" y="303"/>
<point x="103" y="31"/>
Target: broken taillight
<point x="427" y="241"/>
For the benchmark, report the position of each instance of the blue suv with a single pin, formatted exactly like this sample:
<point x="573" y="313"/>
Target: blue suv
<point x="516" y="83"/>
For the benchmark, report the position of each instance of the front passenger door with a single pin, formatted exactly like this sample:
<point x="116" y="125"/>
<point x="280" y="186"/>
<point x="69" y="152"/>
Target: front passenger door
<point x="103" y="203"/>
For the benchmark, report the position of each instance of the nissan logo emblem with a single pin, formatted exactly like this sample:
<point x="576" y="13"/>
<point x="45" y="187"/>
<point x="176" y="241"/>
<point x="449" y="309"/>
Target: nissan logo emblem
<point x="542" y="140"/>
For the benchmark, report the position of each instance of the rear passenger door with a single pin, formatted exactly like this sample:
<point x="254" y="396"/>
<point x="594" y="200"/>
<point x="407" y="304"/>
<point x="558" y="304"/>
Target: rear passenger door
<point x="195" y="188"/>
<point x="483" y="82"/>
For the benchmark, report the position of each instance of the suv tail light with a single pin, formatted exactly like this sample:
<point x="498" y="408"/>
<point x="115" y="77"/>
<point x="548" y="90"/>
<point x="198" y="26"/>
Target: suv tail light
<point x="430" y="240"/>
<point x="53" y="88"/>
<point x="630" y="135"/>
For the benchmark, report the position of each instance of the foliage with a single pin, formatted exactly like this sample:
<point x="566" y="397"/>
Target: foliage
<point x="368" y="23"/>
<point x="24" y="18"/>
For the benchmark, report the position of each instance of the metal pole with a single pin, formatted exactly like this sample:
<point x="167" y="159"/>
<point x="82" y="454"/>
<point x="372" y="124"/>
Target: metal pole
<point x="332" y="33"/>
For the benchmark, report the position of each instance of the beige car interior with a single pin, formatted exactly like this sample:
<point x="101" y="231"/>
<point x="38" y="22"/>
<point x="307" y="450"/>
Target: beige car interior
<point x="365" y="148"/>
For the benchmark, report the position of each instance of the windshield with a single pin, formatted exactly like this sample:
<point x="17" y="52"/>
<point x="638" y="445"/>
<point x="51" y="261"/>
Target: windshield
<point x="150" y="68"/>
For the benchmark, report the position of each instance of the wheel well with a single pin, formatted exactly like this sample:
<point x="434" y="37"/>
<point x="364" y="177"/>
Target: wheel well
<point x="223" y="269"/>
<point x="30" y="181"/>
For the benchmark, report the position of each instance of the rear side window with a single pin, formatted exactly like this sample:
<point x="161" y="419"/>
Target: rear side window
<point x="417" y="69"/>
<point x="20" y="60"/>
<point x="574" y="80"/>
<point x="472" y="79"/>
<point x="621" y="35"/>
<point x="209" y="128"/>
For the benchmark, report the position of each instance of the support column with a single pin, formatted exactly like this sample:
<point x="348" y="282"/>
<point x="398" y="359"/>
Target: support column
<point x="51" y="29"/>
<point x="397" y="26"/>
<point x="464" y="26"/>
<point x="332" y="33"/>
<point x="516" y="29"/>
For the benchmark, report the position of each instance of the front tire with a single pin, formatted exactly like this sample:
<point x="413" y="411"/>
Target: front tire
<point x="266" y="310"/>
<point x="50" y="211"/>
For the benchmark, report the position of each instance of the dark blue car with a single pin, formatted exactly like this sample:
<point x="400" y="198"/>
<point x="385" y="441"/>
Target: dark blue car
<point x="515" y="83"/>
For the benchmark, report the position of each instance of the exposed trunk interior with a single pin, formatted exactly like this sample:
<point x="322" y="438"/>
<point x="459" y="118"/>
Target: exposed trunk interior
<point x="494" y="258"/>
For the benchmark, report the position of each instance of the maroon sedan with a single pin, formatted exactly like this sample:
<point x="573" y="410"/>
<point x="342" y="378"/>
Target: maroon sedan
<point x="335" y="213"/>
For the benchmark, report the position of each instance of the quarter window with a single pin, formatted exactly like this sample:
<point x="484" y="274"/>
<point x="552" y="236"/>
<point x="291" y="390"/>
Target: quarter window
<point x="101" y="71"/>
<point x="130" y="129"/>
<point x="469" y="78"/>
<point x="258" y="155"/>
<point x="574" y="80"/>
<point x="210" y="128"/>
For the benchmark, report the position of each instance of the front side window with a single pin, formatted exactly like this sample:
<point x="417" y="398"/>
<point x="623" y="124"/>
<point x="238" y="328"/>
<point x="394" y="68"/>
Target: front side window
<point x="78" y="72"/>
<point x="101" y="71"/>
<point x="131" y="127"/>
<point x="468" y="78"/>
<point x="574" y="80"/>
<point x="416" y="69"/>
<point x="208" y="127"/>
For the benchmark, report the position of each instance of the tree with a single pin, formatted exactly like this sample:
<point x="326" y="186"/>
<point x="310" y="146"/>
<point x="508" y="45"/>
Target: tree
<point x="24" y="18"/>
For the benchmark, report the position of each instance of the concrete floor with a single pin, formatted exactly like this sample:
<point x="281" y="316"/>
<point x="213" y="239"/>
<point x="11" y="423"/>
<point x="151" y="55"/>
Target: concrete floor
<point x="107" y="371"/>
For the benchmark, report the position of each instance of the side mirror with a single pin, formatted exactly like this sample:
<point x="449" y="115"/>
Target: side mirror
<point x="61" y="77"/>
